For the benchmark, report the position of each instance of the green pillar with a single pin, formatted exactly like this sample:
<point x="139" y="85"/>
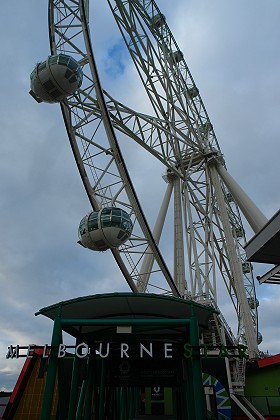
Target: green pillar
<point x="62" y="400"/>
<point x="51" y="372"/>
<point x="73" y="398"/>
<point x="102" y="390"/>
<point x="89" y="391"/>
<point x="199" y="397"/>
<point x="130" y="402"/>
<point x="174" y="402"/>
<point x="81" y="400"/>
<point x="188" y="397"/>
<point x="95" y="388"/>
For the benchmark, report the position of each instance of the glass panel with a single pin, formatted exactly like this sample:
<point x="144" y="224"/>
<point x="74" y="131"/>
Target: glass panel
<point x="42" y="66"/>
<point x="115" y="221"/>
<point x="107" y="210"/>
<point x="116" y="212"/>
<point x="73" y="79"/>
<point x="126" y="225"/>
<point x="63" y="59"/>
<point x="33" y="73"/>
<point x="68" y="73"/>
<point x="125" y="216"/>
<point x="72" y="64"/>
<point x="79" y="74"/>
<point x="53" y="60"/>
<point x="93" y="216"/>
<point x="82" y="227"/>
<point x="93" y="222"/>
<point x="105" y="221"/>
<point x="93" y="225"/>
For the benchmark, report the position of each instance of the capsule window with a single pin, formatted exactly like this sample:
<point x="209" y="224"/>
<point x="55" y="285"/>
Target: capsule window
<point x="82" y="227"/>
<point x="105" y="221"/>
<point x="125" y="216"/>
<point x="53" y="60"/>
<point x="68" y="74"/>
<point x="73" y="79"/>
<point x="92" y="225"/>
<point x="63" y="59"/>
<point x="42" y="66"/>
<point x="115" y="221"/>
<point x="107" y="210"/>
<point x="116" y="212"/>
<point x="79" y="75"/>
<point x="32" y="75"/>
<point x="126" y="225"/>
<point x="122" y="236"/>
<point x="72" y="64"/>
<point x="93" y="222"/>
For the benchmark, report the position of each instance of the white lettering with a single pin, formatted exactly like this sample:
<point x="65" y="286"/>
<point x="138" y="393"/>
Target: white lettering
<point x="29" y="350"/>
<point x="168" y="349"/>
<point x="61" y="351"/>
<point x="107" y="350"/>
<point x="13" y="352"/>
<point x="82" y="355"/>
<point x="45" y="355"/>
<point x="150" y="352"/>
<point x="124" y="348"/>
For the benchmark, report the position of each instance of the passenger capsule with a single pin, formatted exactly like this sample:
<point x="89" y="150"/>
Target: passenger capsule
<point x="253" y="303"/>
<point x="246" y="267"/>
<point x="259" y="338"/>
<point x="55" y="78"/>
<point x="193" y="92"/>
<point x="158" y="20"/>
<point x="176" y="57"/>
<point x="107" y="228"/>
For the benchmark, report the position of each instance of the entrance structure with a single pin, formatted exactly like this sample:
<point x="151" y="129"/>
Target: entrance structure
<point x="140" y="340"/>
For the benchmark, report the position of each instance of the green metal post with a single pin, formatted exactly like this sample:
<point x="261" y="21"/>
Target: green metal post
<point x="74" y="387"/>
<point x="81" y="400"/>
<point x="199" y="397"/>
<point x="137" y="392"/>
<point x="188" y="397"/>
<point x="62" y="401"/>
<point x="122" y="406"/>
<point x="51" y="372"/>
<point x="89" y="391"/>
<point x="95" y="389"/>
<point x="102" y="391"/>
<point x="124" y="402"/>
<point x="174" y="402"/>
<point x="118" y="403"/>
<point x="130" y="402"/>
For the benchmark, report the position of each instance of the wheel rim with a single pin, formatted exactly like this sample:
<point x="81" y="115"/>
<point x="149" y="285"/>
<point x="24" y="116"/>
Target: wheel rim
<point x="209" y="235"/>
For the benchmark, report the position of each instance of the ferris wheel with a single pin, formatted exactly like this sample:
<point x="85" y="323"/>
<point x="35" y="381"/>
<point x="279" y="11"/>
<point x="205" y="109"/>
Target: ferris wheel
<point x="198" y="219"/>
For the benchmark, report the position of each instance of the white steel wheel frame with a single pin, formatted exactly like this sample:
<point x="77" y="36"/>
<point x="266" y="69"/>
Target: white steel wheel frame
<point x="208" y="231"/>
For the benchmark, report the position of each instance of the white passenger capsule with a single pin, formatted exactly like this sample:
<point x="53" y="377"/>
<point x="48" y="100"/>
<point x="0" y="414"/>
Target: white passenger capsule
<point x="55" y="78"/>
<point x="107" y="228"/>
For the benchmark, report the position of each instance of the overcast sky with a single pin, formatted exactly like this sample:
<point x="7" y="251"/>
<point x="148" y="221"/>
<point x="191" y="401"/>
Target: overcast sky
<point x="232" y="49"/>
